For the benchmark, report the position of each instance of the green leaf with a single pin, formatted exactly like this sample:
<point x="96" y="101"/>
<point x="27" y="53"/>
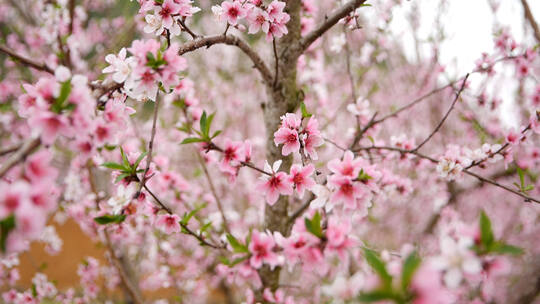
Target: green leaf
<point x="188" y="216"/>
<point x="502" y="248"/>
<point x="236" y="245"/>
<point x="314" y="225"/>
<point x="521" y="177"/>
<point x="378" y="266"/>
<point x="110" y="219"/>
<point x="138" y="161"/>
<point x="125" y="160"/>
<point x="363" y="176"/>
<point x="114" y="166"/>
<point x="59" y="103"/>
<point x="191" y="140"/>
<point x="409" y="268"/>
<point x="209" y="120"/>
<point x="303" y="109"/>
<point x="216" y="134"/>
<point x="376" y="296"/>
<point x="486" y="233"/>
<point x="202" y="123"/>
<point x="121" y="177"/>
<point x="6" y="225"/>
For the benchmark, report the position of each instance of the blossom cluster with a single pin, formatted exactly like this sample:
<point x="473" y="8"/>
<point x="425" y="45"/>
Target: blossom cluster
<point x="270" y="19"/>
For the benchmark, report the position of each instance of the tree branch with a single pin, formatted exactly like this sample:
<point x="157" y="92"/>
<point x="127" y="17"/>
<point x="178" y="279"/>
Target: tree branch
<point x="445" y="116"/>
<point x="329" y="22"/>
<point x="208" y="41"/>
<point x="529" y="16"/>
<point x="468" y="172"/>
<point x="25" y="150"/>
<point x="26" y="61"/>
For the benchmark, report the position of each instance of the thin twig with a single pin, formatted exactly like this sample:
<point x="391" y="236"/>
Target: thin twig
<point x="445" y="116"/>
<point x="214" y="193"/>
<point x="529" y="16"/>
<point x="10" y="149"/>
<point x="26" y="61"/>
<point x="187" y="229"/>
<point x="277" y="62"/>
<point x="208" y="41"/>
<point x="26" y="149"/>
<point x="187" y="29"/>
<point x="150" y="144"/>
<point x="466" y="171"/>
<point x="329" y="22"/>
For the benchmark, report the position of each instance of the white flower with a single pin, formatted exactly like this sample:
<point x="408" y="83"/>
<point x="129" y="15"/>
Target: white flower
<point x="323" y="194"/>
<point x="120" y="66"/>
<point x="337" y="43"/>
<point x="449" y="169"/>
<point x="360" y="108"/>
<point x="62" y="73"/>
<point x="154" y="24"/>
<point x="456" y="258"/>
<point x="123" y="196"/>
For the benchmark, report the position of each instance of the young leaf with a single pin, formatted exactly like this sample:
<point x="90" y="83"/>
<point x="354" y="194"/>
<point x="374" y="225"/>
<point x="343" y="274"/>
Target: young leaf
<point x="138" y="161"/>
<point x="486" y="233"/>
<point x="521" y="177"/>
<point x="191" y="140"/>
<point x="303" y="109"/>
<point x="503" y="248"/>
<point x="375" y="296"/>
<point x="121" y="177"/>
<point x="378" y="266"/>
<point x="203" y="122"/>
<point x="114" y="166"/>
<point x="409" y="268"/>
<point x="125" y="160"/>
<point x="314" y="225"/>
<point x="110" y="219"/>
<point x="236" y="245"/>
<point x="6" y="225"/>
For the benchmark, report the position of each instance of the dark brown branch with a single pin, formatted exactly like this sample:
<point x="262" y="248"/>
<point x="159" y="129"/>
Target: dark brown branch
<point x="186" y="228"/>
<point x="445" y="116"/>
<point x="329" y="23"/>
<point x="214" y="193"/>
<point x="26" y="149"/>
<point x="150" y="144"/>
<point x="529" y="16"/>
<point x="230" y="40"/>
<point x="468" y="172"/>
<point x="26" y="61"/>
<point x="10" y="149"/>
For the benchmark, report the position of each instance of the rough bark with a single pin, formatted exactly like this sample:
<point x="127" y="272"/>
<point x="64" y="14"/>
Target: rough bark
<point x="282" y="98"/>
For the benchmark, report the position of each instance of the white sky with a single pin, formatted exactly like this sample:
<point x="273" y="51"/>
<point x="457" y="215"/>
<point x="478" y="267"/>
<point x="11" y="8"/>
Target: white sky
<point x="468" y="25"/>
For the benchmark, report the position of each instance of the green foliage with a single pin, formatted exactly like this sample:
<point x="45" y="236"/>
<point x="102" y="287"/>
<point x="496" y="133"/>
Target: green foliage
<point x="6" y="225"/>
<point x="126" y="168"/>
<point x="521" y="186"/>
<point x="60" y="104"/>
<point x="363" y="176"/>
<point x="110" y="219"/>
<point x="303" y="109"/>
<point x="236" y="245"/>
<point x="488" y="243"/>
<point x="204" y="134"/>
<point x="314" y="225"/>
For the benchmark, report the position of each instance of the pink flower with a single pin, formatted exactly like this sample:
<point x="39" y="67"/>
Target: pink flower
<point x="168" y="9"/>
<point x="427" y="287"/>
<point x="38" y="167"/>
<point x="168" y="223"/>
<point x="275" y="10"/>
<point x="301" y="179"/>
<point x="258" y="20"/>
<point x="513" y="137"/>
<point x="312" y="139"/>
<point x="233" y="11"/>
<point x="289" y="139"/>
<point x="51" y="125"/>
<point x="233" y="154"/>
<point x="346" y="191"/>
<point x="276" y="184"/>
<point x="337" y="235"/>
<point x="12" y="197"/>
<point x="349" y="166"/>
<point x="260" y="247"/>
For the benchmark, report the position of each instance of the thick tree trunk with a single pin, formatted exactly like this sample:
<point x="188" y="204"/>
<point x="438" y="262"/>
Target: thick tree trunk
<point x="282" y="98"/>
